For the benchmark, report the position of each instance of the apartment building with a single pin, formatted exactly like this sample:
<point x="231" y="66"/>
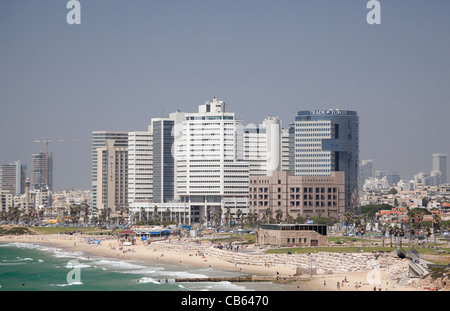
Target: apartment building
<point x="12" y="177"/>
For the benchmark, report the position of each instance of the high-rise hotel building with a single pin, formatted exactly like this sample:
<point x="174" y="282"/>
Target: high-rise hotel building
<point x="109" y="170"/>
<point x="212" y="176"/>
<point x="140" y="166"/>
<point x="327" y="141"/>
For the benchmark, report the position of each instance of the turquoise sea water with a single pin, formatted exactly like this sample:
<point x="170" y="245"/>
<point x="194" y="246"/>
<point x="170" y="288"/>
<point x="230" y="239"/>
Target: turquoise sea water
<point x="32" y="267"/>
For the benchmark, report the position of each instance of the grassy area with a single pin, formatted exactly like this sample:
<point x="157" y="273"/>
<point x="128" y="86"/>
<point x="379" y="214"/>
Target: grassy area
<point x="245" y="239"/>
<point x="15" y="231"/>
<point x="20" y="230"/>
<point x="56" y="230"/>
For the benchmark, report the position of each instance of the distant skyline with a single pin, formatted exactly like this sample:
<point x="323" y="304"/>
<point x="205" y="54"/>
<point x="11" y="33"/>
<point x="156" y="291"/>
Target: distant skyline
<point x="130" y="61"/>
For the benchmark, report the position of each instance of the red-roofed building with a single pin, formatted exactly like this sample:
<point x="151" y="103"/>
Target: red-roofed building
<point x="397" y="213"/>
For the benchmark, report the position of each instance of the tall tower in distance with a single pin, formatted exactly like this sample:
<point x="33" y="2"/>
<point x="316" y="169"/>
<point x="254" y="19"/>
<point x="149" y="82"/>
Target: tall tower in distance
<point x="440" y="165"/>
<point x="42" y="170"/>
<point x="27" y="195"/>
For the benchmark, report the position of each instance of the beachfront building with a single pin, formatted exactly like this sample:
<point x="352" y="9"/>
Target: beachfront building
<point x="327" y="141"/>
<point x="212" y="176"/>
<point x="199" y="172"/>
<point x="152" y="170"/>
<point x="292" y="235"/>
<point x="163" y="160"/>
<point x="140" y="166"/>
<point x="174" y="211"/>
<point x="308" y="196"/>
<point x="116" y="139"/>
<point x="111" y="178"/>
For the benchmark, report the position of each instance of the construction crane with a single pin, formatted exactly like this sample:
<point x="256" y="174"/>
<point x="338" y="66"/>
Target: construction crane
<point x="47" y="141"/>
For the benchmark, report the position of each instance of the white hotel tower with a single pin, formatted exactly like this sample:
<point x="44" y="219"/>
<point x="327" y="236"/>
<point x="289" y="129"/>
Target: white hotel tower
<point x="140" y="166"/>
<point x="212" y="177"/>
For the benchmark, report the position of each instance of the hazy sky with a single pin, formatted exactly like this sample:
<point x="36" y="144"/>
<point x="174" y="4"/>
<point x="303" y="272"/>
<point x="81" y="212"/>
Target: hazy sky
<point x="132" y="60"/>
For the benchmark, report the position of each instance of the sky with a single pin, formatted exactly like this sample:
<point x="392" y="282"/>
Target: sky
<point x="130" y="61"/>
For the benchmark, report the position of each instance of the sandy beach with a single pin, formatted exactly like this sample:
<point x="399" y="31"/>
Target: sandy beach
<point x="200" y="256"/>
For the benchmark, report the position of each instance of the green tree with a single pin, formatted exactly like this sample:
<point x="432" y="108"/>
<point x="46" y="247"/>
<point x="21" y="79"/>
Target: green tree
<point x="393" y="191"/>
<point x="369" y="211"/>
<point x="425" y="201"/>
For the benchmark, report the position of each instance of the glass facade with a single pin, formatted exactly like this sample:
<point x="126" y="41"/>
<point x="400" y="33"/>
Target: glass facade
<point x="325" y="141"/>
<point x="163" y="161"/>
<point x="41" y="166"/>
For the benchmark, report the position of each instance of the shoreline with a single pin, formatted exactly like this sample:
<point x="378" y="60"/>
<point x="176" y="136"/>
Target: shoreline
<point x="200" y="257"/>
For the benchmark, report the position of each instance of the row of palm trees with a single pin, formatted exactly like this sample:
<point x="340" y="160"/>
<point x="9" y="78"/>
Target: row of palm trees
<point x="74" y="214"/>
<point x="253" y="220"/>
<point x="413" y="225"/>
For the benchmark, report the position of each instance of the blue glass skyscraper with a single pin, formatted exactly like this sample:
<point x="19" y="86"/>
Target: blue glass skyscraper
<point x="325" y="141"/>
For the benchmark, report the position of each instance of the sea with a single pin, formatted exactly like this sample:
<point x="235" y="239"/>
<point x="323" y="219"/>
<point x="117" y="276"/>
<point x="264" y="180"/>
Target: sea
<point x="34" y="267"/>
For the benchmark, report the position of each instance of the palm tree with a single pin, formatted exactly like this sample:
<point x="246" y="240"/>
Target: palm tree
<point x="401" y="233"/>
<point x="220" y="217"/>
<point x="383" y="231"/>
<point x="436" y="224"/>
<point x="155" y="213"/>
<point x="166" y="214"/>
<point x="268" y="215"/>
<point x="238" y="215"/>
<point x="251" y="217"/>
<point x="279" y="215"/>
<point x="428" y="234"/>
<point x="362" y="231"/>
<point x="391" y="232"/>
<point x="289" y="219"/>
<point x="412" y="231"/>
<point x="86" y="212"/>
<point x="227" y="216"/>
<point x="348" y="218"/>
